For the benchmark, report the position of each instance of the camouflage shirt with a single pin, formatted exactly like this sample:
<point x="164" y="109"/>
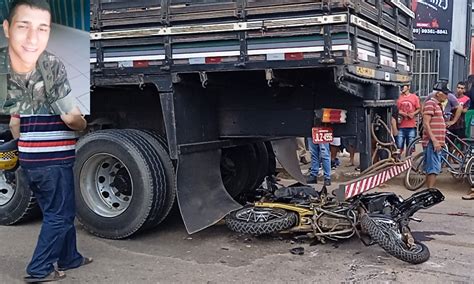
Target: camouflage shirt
<point x="27" y="93"/>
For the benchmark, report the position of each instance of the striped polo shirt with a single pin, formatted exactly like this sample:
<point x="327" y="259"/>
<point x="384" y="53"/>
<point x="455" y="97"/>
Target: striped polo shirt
<point x="45" y="140"/>
<point x="437" y="124"/>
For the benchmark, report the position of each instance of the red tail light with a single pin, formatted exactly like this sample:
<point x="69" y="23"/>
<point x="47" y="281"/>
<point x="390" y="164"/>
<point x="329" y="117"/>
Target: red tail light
<point x="140" y="63"/>
<point x="331" y="115"/>
<point x="294" y="56"/>
<point x="212" y="60"/>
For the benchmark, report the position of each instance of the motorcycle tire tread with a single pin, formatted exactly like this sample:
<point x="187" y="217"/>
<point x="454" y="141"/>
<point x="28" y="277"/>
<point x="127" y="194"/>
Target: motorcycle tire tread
<point x="261" y="228"/>
<point x="393" y="248"/>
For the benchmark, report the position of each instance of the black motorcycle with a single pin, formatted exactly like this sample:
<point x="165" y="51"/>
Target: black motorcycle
<point x="384" y="217"/>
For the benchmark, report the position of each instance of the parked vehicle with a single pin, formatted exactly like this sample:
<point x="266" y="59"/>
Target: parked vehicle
<point x="192" y="100"/>
<point x="17" y="205"/>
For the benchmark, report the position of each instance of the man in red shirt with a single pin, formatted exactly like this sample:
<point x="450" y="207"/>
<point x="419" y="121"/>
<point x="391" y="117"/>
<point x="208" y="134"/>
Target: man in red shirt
<point x="434" y="134"/>
<point x="459" y="128"/>
<point x="408" y="105"/>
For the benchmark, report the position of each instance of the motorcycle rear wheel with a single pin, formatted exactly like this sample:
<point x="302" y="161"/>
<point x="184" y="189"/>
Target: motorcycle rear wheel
<point x="260" y="220"/>
<point x="393" y="245"/>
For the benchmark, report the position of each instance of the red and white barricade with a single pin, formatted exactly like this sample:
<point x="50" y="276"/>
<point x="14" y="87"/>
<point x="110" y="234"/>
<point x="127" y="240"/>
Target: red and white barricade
<point x="363" y="184"/>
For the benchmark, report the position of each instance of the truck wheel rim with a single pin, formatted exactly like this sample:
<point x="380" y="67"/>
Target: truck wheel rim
<point x="7" y="191"/>
<point x="106" y="185"/>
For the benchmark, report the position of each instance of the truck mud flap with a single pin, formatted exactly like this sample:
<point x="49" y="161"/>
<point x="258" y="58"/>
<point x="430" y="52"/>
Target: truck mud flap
<point x="202" y="198"/>
<point x="285" y="152"/>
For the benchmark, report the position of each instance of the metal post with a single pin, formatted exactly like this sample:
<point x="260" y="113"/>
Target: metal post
<point x="468" y="38"/>
<point x="365" y="146"/>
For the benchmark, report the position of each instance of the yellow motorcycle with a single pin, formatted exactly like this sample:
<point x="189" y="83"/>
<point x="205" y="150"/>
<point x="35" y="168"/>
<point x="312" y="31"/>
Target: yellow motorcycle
<point x="384" y="217"/>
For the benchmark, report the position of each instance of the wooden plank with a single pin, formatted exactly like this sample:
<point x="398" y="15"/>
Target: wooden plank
<point x="405" y="32"/>
<point x="202" y="8"/>
<point x="132" y="42"/>
<point x="127" y="4"/>
<point x="204" y="37"/>
<point x="284" y="32"/>
<point x="132" y="14"/>
<point x="388" y="24"/>
<point x="202" y="16"/>
<point x="131" y="21"/>
<point x="315" y="30"/>
<point x="269" y="10"/>
<point x="266" y="3"/>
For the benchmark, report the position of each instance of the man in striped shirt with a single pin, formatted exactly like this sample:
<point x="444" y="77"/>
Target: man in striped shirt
<point x="44" y="119"/>
<point x="434" y="134"/>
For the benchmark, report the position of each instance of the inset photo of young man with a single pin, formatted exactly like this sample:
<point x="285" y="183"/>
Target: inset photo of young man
<point x="44" y="57"/>
<point x="44" y="95"/>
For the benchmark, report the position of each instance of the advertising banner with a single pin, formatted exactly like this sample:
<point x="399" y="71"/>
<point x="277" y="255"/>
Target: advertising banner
<point x="433" y="19"/>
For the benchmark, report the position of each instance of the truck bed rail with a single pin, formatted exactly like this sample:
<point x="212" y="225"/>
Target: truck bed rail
<point x="392" y="14"/>
<point x="153" y="37"/>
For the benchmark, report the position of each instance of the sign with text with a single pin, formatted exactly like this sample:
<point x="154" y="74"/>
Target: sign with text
<point x="322" y="135"/>
<point x="433" y="19"/>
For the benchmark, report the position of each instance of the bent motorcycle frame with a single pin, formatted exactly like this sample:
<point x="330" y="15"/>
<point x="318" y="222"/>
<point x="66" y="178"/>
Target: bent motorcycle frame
<point x="309" y="215"/>
<point x="315" y="211"/>
<point x="304" y="214"/>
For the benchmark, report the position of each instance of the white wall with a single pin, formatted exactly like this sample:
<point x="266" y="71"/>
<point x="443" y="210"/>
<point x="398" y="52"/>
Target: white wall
<point x="458" y="38"/>
<point x="459" y="26"/>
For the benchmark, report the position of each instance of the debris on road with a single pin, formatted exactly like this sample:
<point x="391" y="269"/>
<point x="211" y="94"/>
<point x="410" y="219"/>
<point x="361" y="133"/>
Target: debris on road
<point x="297" y="250"/>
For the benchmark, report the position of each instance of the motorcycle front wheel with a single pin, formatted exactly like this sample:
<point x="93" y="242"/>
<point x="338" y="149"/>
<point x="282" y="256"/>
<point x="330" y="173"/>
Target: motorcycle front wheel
<point x="389" y="239"/>
<point x="260" y="220"/>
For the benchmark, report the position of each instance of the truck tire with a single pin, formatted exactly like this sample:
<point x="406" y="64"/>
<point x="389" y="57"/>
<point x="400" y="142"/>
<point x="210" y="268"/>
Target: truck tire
<point x="271" y="159"/>
<point x="260" y="221"/>
<point x="419" y="254"/>
<point x="156" y="148"/>
<point x="161" y="140"/>
<point x="238" y="169"/>
<point x="262" y="165"/>
<point x="121" y="188"/>
<point x="244" y="167"/>
<point x="17" y="202"/>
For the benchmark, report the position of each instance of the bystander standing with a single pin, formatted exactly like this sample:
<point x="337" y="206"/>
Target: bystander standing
<point x="434" y="133"/>
<point x="451" y="108"/>
<point x="320" y="153"/>
<point x="45" y="119"/>
<point x="408" y="106"/>
<point x="459" y="128"/>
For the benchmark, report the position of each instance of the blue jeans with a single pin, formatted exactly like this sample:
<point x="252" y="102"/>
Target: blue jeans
<point x="53" y="187"/>
<point x="432" y="163"/>
<point x="405" y="137"/>
<point x="320" y="151"/>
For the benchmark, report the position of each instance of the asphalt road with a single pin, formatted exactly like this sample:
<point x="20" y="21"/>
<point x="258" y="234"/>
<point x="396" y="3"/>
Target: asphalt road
<point x="217" y="255"/>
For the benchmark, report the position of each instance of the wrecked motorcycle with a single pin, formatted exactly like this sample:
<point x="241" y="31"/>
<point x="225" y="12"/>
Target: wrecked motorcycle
<point x="384" y="217"/>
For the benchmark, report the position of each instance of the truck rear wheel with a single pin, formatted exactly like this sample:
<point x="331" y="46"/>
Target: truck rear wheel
<point x="17" y="202"/>
<point x="262" y="164"/>
<point x="158" y="149"/>
<point x="121" y="187"/>
<point x="244" y="167"/>
<point x="238" y="168"/>
<point x="271" y="159"/>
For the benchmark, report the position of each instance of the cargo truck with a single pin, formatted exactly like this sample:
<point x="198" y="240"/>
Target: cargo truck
<point x="191" y="100"/>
